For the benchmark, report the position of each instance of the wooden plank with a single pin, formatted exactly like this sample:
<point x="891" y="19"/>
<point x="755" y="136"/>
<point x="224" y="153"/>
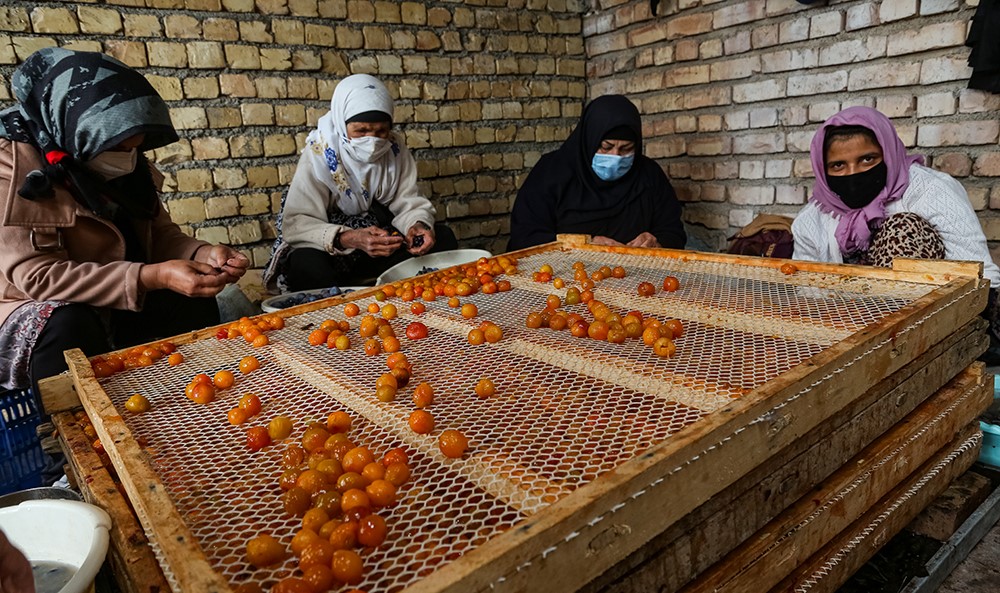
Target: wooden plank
<point x="58" y="394"/>
<point x="132" y="561"/>
<point x="650" y="493"/>
<point x="703" y="536"/>
<point x="831" y="507"/>
<point x="958" y="546"/>
<point x="829" y="568"/>
<point x="924" y="271"/>
<point x="148" y="495"/>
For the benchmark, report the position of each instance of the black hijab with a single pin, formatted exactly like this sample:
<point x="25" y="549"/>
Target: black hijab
<point x="74" y="105"/>
<point x="562" y="194"/>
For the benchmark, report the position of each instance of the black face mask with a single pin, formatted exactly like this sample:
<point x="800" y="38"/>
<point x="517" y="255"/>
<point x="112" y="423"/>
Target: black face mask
<point x="858" y="190"/>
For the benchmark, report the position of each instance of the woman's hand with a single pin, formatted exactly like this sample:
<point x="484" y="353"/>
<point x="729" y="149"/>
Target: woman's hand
<point x="644" y="240"/>
<point x="15" y="570"/>
<point x="419" y="239"/>
<point x="187" y="277"/>
<point x="372" y="240"/>
<point x="601" y="240"/>
<point x="223" y="258"/>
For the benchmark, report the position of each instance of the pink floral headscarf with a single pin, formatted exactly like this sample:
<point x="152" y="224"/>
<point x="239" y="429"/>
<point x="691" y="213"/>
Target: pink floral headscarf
<point x="853" y="231"/>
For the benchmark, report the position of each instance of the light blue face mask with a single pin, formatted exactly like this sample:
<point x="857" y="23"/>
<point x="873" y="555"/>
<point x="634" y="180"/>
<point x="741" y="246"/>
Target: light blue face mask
<point x="611" y="166"/>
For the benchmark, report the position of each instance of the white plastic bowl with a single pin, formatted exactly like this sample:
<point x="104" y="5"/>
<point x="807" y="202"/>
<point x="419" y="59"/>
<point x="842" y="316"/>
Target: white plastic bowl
<point x="439" y="260"/>
<point x="66" y="531"/>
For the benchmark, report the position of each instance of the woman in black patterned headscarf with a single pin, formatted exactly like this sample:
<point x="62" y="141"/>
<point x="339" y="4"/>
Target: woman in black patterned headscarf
<point x="88" y="255"/>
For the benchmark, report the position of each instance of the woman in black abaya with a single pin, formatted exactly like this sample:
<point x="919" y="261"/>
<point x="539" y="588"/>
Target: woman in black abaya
<point x="599" y="183"/>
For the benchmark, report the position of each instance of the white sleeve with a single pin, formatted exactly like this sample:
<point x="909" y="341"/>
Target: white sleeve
<point x="408" y="206"/>
<point x="304" y="218"/>
<point x="807" y="235"/>
<point x="942" y="201"/>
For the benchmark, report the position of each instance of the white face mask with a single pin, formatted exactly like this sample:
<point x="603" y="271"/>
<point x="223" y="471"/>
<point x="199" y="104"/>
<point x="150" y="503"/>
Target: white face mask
<point x="111" y="164"/>
<point x="369" y="148"/>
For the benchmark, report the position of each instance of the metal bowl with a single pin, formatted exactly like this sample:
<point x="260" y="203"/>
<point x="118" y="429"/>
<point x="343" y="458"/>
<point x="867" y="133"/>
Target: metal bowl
<point x="49" y="493"/>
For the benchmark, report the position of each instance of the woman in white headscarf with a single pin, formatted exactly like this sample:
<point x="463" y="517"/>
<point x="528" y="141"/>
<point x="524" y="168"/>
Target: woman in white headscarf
<point x="353" y="208"/>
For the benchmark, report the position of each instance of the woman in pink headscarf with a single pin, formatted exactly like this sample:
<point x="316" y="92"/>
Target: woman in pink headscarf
<point x="872" y="202"/>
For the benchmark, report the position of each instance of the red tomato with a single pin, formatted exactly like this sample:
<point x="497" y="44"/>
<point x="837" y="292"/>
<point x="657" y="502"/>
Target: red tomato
<point x="416" y="331"/>
<point x="258" y="438"/>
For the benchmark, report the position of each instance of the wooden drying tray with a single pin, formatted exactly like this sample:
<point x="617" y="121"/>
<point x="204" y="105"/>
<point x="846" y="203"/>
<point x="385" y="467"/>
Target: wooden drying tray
<point x="615" y="515"/>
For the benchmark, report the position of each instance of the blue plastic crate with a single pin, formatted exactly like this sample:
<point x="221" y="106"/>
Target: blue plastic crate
<point x="21" y="455"/>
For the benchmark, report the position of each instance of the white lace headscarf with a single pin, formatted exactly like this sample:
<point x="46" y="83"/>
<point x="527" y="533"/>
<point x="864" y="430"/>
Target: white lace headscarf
<point x="353" y="181"/>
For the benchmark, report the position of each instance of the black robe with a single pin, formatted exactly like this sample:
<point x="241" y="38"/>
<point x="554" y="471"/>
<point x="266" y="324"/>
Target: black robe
<point x="563" y="195"/>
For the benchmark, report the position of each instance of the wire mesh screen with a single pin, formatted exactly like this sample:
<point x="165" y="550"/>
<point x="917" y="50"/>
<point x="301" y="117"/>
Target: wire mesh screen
<point x="565" y="410"/>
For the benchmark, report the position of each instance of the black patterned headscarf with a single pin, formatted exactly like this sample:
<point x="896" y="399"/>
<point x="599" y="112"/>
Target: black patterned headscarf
<point x="74" y="105"/>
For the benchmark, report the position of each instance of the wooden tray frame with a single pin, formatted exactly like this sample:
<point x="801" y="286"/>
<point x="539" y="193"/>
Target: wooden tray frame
<point x="615" y="515"/>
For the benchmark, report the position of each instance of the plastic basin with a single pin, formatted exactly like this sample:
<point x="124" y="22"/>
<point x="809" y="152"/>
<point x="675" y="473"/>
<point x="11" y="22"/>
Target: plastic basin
<point x="65" y="531"/>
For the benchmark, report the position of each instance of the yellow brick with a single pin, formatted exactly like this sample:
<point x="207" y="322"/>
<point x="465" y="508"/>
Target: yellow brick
<point x="213" y="5"/>
<point x="414" y="64"/>
<point x="193" y="180"/>
<point x="255" y="32"/>
<point x="54" y="20"/>
<point x="272" y="6"/>
<point x="377" y="38"/>
<point x="321" y="35"/>
<point x="173" y="4"/>
<point x="417" y="139"/>
<point x="169" y="87"/>
<point x="441" y="138"/>
<point x="360" y="11"/>
<point x="301" y="88"/>
<point x="439" y="65"/>
<point x="387" y="12"/>
<point x="223" y="117"/>
<point x="7" y="56"/>
<point x="222" y="206"/>
<point x="14" y="19"/>
<point x="289" y="115"/>
<point x="464" y="136"/>
<point x="212" y="234"/>
<point x="209" y="148"/>
<point x="279" y="145"/>
<point x="403" y="40"/>
<point x="288" y="32"/>
<point x="308" y="8"/>
<point x="99" y="20"/>
<point x="186" y="210"/>
<point x="390" y="64"/>
<point x="485" y="136"/>
<point x="270" y="87"/>
<point x="242" y="233"/>
<point x="262" y="177"/>
<point x="246" y="146"/>
<point x="201" y="88"/>
<point x="251" y="204"/>
<point x="132" y="53"/>
<point x="306" y="60"/>
<point x="138" y="3"/>
<point x="181" y="26"/>
<point x="188" y="118"/>
<point x="452" y="41"/>
<point x="170" y="55"/>
<point x="84" y="45"/>
<point x="275" y="59"/>
<point x="229" y="178"/>
<point x="172" y="154"/>
<point x="257" y="114"/>
<point x="364" y="65"/>
<point x="142" y="25"/>
<point x="333" y="9"/>
<point x="437" y="17"/>
<point x="423" y="112"/>
<point x="237" y="85"/>
<point x="205" y="54"/>
<point x="238" y="5"/>
<point x="220" y="30"/>
<point x="415" y="13"/>
<point x="325" y="88"/>
<point x="427" y="41"/>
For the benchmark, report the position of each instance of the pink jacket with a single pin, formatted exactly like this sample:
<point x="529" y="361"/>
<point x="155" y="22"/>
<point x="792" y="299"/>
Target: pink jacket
<point x="54" y="249"/>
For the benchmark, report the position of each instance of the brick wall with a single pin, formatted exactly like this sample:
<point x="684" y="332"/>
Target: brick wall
<point x="484" y="87"/>
<point x="732" y="91"/>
